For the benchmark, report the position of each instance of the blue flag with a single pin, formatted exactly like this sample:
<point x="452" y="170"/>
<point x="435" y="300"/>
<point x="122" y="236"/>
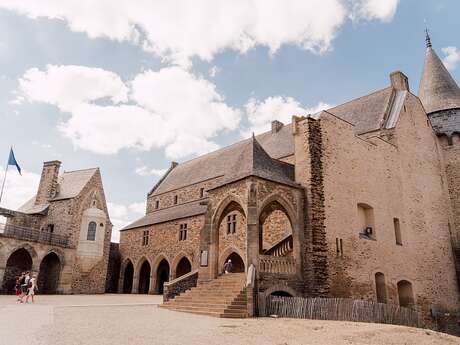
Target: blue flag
<point x="12" y="161"/>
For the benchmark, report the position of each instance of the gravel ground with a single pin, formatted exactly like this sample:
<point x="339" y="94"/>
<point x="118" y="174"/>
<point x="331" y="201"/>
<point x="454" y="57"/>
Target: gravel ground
<point x="137" y="320"/>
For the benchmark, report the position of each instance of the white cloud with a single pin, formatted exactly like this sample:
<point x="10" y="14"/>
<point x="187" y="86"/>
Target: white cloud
<point x="261" y="113"/>
<point x="452" y="57"/>
<point x="145" y="171"/>
<point x="69" y="86"/>
<point x="18" y="188"/>
<point x="178" y="30"/>
<point x="122" y="215"/>
<point x="383" y="10"/>
<point x="170" y="108"/>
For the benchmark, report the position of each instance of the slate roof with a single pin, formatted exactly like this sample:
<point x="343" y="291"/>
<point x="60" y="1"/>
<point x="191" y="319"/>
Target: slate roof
<point x="168" y="214"/>
<point x="367" y="113"/>
<point x="252" y="160"/>
<point x="217" y="163"/>
<point x="70" y="184"/>
<point x="438" y="90"/>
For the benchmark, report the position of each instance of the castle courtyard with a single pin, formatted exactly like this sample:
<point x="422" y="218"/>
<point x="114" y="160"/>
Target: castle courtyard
<point x="136" y="319"/>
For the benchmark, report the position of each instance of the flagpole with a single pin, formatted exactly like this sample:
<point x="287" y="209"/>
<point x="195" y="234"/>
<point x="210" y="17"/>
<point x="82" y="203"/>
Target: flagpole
<point x="3" y="183"/>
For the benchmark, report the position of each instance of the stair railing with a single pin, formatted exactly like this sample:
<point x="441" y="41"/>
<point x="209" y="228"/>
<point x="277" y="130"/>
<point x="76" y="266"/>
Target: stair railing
<point x="282" y="248"/>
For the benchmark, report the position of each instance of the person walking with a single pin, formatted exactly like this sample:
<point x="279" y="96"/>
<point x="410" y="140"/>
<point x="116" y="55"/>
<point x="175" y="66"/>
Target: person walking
<point x="228" y="267"/>
<point x="32" y="288"/>
<point x="23" y="286"/>
<point x="17" y="289"/>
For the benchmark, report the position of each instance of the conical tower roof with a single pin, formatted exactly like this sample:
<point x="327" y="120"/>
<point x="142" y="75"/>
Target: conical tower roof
<point x="438" y="90"/>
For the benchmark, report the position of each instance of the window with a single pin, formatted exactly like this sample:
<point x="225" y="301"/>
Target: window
<point x="339" y="246"/>
<point x="145" y="238"/>
<point x="157" y="204"/>
<point x="50" y="228"/>
<point x="397" y="231"/>
<point x="380" y="287"/>
<point x="366" y="221"/>
<point x="175" y="199"/>
<point x="183" y="232"/>
<point x="231" y="224"/>
<point x="91" y="236"/>
<point x="405" y="294"/>
<point x="201" y="192"/>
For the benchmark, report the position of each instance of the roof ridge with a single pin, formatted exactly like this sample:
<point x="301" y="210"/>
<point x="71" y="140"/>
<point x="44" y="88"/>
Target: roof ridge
<point x="229" y="146"/>
<point x="361" y="97"/>
<point x="72" y="171"/>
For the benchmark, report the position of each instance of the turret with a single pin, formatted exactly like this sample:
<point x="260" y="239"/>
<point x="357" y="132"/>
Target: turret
<point x="439" y="93"/>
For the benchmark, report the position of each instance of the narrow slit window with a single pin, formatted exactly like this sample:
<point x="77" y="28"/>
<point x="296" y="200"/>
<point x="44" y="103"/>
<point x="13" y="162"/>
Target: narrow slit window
<point x="397" y="228"/>
<point x="201" y="192"/>
<point x="157" y="204"/>
<point x="175" y="199"/>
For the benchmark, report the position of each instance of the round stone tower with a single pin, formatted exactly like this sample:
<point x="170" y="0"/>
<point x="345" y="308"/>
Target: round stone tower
<point x="440" y="95"/>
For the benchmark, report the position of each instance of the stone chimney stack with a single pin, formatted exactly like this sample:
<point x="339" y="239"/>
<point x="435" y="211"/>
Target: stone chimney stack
<point x="48" y="182"/>
<point x="276" y="126"/>
<point x="399" y="81"/>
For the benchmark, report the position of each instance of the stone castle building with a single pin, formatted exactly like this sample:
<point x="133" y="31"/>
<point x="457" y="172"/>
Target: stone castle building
<point x="359" y="201"/>
<point x="62" y="234"/>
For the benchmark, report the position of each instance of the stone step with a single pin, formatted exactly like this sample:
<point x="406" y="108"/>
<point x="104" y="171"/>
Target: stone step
<point x="209" y="300"/>
<point x="223" y="306"/>
<point x="221" y="297"/>
<point x="216" y="314"/>
<point x="210" y="308"/>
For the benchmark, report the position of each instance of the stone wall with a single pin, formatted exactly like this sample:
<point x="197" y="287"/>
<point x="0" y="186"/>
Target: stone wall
<point x="402" y="180"/>
<point x="452" y="161"/>
<point x="275" y="228"/>
<point x="184" y="195"/>
<point x="113" y="268"/>
<point x="163" y="243"/>
<point x="186" y="282"/>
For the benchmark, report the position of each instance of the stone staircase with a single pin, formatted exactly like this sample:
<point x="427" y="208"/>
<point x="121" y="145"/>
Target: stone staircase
<point x="221" y="297"/>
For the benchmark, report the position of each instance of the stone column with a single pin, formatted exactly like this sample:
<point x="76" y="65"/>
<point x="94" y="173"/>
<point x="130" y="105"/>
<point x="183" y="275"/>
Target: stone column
<point x="153" y="283"/>
<point x="298" y="234"/>
<point x="208" y="271"/>
<point x="252" y="238"/>
<point x="135" y="283"/>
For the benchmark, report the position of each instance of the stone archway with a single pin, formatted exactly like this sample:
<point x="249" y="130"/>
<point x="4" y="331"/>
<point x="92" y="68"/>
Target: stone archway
<point x="128" y="277"/>
<point x="144" y="278"/>
<point x="183" y="267"/>
<point x="49" y="273"/>
<point x="19" y="261"/>
<point x="237" y="262"/>
<point x="162" y="275"/>
<point x="229" y="230"/>
<point x="275" y="226"/>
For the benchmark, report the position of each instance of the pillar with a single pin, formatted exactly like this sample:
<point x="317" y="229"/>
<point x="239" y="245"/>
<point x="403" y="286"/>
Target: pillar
<point x="252" y="238"/>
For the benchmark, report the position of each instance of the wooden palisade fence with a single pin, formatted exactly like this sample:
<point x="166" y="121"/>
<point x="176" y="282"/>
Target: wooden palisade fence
<point x="342" y="309"/>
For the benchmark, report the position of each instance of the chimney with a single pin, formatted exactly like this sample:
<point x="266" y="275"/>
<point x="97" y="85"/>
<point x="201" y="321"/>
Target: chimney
<point x="48" y="182"/>
<point x="276" y="126"/>
<point x="399" y="81"/>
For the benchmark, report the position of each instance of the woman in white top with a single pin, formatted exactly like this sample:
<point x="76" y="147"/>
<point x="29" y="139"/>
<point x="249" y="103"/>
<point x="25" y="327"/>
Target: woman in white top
<point x="32" y="287"/>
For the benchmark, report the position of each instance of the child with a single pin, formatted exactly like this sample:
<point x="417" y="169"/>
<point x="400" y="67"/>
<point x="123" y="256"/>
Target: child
<point x="17" y="287"/>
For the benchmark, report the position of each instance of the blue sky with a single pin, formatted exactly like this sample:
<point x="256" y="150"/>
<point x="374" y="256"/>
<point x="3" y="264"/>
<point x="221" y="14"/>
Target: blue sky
<point x="129" y="88"/>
